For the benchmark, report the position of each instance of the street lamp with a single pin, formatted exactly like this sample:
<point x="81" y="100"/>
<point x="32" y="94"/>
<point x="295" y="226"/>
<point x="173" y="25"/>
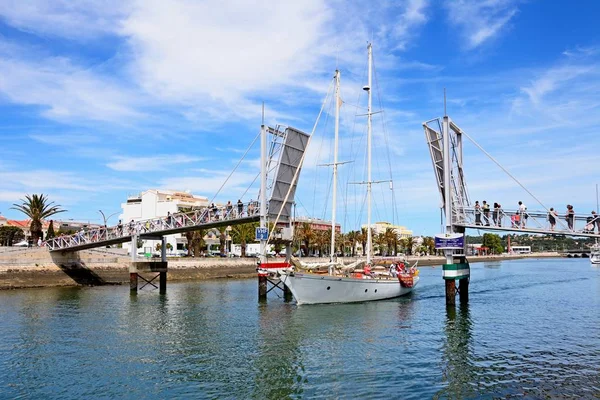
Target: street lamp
<point x="105" y="218"/>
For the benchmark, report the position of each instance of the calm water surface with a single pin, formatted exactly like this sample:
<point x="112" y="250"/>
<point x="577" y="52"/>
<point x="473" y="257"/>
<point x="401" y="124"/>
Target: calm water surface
<point x="530" y="330"/>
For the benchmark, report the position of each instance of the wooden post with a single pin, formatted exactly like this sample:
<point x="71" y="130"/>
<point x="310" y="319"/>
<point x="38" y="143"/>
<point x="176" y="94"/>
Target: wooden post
<point x="162" y="279"/>
<point x="133" y="276"/>
<point x="133" y="282"/>
<point x="450" y="292"/>
<point x="162" y="288"/>
<point x="262" y="287"/>
<point x="463" y="290"/>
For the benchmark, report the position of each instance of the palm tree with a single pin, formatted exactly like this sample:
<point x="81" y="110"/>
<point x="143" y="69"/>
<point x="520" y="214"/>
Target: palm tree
<point x="390" y="239"/>
<point x="380" y="241"/>
<point x="363" y="240"/>
<point x="306" y="235"/>
<point x="410" y="242"/>
<point x="37" y="208"/>
<point x="352" y="237"/>
<point x="243" y="234"/>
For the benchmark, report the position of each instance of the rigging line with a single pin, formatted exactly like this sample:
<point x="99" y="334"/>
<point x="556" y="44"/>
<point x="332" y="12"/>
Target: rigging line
<point x="237" y="165"/>
<point x="505" y="170"/>
<point x="352" y="171"/>
<point x="385" y="136"/>
<point x="327" y="114"/>
<point x="295" y="178"/>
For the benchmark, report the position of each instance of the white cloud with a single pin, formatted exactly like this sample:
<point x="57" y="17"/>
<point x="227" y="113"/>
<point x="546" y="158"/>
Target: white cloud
<point x="65" y="91"/>
<point x="154" y="163"/>
<point x="480" y="20"/>
<point x="77" y="20"/>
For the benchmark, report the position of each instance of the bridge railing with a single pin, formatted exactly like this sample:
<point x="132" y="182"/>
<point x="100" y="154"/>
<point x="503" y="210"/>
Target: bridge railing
<point x="527" y="220"/>
<point x="157" y="225"/>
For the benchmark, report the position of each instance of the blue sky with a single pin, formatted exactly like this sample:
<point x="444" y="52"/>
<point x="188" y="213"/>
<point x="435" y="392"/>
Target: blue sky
<point x="104" y="99"/>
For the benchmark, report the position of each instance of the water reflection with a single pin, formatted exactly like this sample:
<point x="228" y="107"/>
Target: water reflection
<point x="459" y="368"/>
<point x="278" y="368"/>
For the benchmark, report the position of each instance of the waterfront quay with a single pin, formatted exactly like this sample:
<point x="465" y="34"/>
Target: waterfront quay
<point x="35" y="267"/>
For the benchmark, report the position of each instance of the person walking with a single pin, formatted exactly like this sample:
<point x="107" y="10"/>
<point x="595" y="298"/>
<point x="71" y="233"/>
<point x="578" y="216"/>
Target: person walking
<point x="477" y="213"/>
<point x="240" y="206"/>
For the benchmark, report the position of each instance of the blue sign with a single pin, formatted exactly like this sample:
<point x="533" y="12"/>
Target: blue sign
<point x="261" y="234"/>
<point x="450" y="241"/>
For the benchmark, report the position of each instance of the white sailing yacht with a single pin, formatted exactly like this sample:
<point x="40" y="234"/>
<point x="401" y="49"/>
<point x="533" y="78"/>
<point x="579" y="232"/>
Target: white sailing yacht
<point x="346" y="284"/>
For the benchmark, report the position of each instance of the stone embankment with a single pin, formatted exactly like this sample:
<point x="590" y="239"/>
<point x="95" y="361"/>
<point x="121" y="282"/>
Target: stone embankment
<point x="36" y="267"/>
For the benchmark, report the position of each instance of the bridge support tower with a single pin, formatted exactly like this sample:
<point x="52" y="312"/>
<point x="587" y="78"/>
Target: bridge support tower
<point x="158" y="268"/>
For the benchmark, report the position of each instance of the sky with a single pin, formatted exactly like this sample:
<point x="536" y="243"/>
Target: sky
<point x="101" y="100"/>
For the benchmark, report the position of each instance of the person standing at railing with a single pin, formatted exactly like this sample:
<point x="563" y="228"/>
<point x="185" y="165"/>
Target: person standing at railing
<point x="228" y="208"/>
<point x="552" y="218"/>
<point x="522" y="214"/>
<point x="570" y="216"/>
<point x="477" y="213"/>
<point x="496" y="215"/>
<point x="240" y="206"/>
<point x="486" y="213"/>
<point x="498" y="210"/>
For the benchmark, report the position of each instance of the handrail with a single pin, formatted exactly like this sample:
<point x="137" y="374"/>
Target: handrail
<point x="200" y="216"/>
<point x="513" y="218"/>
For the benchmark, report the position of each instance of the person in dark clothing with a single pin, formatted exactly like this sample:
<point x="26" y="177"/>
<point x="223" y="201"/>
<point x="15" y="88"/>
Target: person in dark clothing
<point x="570" y="216"/>
<point x="496" y="214"/>
<point x="240" y="206"/>
<point x="552" y="218"/>
<point x="477" y="213"/>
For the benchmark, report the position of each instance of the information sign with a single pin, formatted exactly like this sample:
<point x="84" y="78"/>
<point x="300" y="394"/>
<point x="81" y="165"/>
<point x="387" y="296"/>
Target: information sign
<point x="450" y="241"/>
<point x="262" y="234"/>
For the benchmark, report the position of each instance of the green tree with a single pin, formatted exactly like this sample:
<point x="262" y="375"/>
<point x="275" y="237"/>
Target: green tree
<point x="10" y="235"/>
<point x="351" y="238"/>
<point x="50" y="234"/>
<point x="363" y="240"/>
<point x="306" y="236"/>
<point x="243" y="234"/>
<point x="492" y="242"/>
<point x="37" y="208"/>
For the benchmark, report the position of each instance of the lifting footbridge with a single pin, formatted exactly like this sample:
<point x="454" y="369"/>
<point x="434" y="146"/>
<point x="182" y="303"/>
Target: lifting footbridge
<point x="283" y="166"/>
<point x="443" y="138"/>
<point x="445" y="141"/>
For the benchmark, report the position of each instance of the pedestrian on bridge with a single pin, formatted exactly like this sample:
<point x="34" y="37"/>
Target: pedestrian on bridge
<point x="496" y="218"/>
<point x="522" y="214"/>
<point x="486" y="213"/>
<point x="570" y="216"/>
<point x="477" y="213"/>
<point x="552" y="218"/>
<point x="240" y="206"/>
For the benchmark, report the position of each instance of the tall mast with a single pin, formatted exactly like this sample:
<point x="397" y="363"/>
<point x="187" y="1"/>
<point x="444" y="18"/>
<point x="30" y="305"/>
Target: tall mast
<point x="335" y="162"/>
<point x="368" y="89"/>
<point x="263" y="189"/>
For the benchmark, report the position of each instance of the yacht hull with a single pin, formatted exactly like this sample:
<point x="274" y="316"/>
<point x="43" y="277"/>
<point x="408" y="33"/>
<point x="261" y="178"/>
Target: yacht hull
<point x="595" y="258"/>
<point x="321" y="289"/>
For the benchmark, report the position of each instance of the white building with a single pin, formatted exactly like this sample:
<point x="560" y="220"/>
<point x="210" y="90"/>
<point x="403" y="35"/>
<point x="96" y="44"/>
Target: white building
<point x="155" y="203"/>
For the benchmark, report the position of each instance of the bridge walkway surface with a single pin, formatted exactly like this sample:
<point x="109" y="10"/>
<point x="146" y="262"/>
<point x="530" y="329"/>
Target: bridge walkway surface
<point x="204" y="218"/>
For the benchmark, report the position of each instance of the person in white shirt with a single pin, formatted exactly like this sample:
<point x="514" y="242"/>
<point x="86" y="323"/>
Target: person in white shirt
<point x="523" y="214"/>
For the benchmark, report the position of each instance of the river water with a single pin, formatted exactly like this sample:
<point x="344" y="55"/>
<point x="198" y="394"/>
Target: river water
<point x="531" y="330"/>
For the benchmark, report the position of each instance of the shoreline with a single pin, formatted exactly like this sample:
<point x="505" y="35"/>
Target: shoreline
<point x="34" y="268"/>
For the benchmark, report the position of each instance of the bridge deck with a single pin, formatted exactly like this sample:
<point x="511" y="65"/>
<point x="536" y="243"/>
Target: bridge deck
<point x="530" y="230"/>
<point x="154" y="228"/>
<point x="537" y="222"/>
